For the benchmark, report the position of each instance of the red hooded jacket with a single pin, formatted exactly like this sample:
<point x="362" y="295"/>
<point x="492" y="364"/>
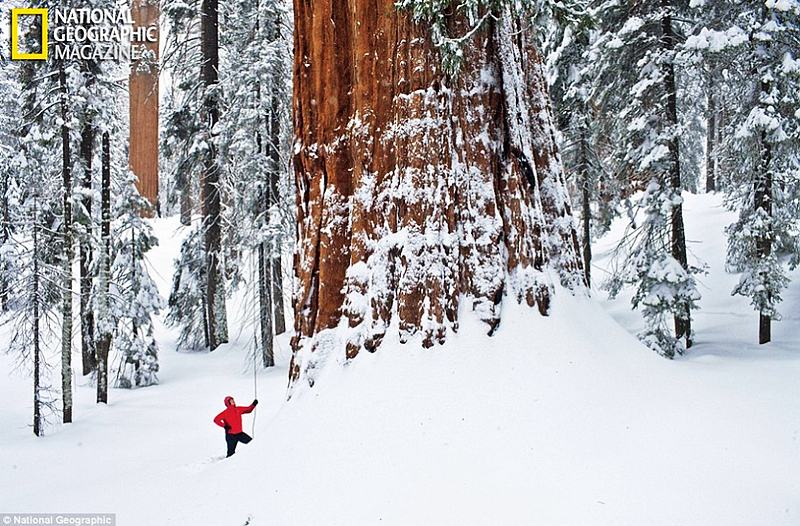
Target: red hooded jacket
<point x="232" y="416"/>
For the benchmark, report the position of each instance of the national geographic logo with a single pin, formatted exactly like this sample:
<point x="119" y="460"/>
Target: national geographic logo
<point x="79" y="34"/>
<point x="16" y="14"/>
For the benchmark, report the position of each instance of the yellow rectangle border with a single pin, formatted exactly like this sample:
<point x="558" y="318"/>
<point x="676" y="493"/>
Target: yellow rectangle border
<point x="15" y="54"/>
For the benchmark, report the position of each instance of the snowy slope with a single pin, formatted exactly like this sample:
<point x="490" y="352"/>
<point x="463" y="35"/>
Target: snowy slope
<point x="565" y="420"/>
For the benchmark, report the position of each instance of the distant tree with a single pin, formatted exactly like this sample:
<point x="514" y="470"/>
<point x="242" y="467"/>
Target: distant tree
<point x="135" y="297"/>
<point x="187" y="298"/>
<point x="766" y="142"/>
<point x="192" y="145"/>
<point x="567" y="44"/>
<point x="254" y="152"/>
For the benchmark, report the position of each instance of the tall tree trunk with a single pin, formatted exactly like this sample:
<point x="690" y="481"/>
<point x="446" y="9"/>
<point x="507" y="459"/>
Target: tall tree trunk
<point x="210" y="195"/>
<point x="711" y="136"/>
<point x="762" y="200"/>
<point x="415" y="191"/>
<point x="276" y="275"/>
<point x="277" y="296"/>
<point x="37" y="359"/>
<point x="683" y="328"/>
<point x="87" y="314"/>
<point x="67" y="239"/>
<point x="5" y="234"/>
<point x="104" y="343"/>
<point x="143" y="154"/>
<point x="586" y="201"/>
<point x="265" y="304"/>
<point x="186" y="203"/>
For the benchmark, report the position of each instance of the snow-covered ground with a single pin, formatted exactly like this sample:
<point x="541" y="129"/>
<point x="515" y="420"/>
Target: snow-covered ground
<point x="565" y="420"/>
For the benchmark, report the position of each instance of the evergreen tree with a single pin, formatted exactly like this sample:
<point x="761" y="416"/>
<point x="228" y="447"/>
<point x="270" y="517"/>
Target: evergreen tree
<point x="642" y="102"/>
<point x="253" y="146"/>
<point x="31" y="249"/>
<point x="766" y="142"/>
<point x="135" y="297"/>
<point x="194" y="151"/>
<point x="187" y="299"/>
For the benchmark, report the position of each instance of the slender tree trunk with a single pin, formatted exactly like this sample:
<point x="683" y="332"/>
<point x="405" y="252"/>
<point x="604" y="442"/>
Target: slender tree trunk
<point x="683" y="327"/>
<point x="277" y="296"/>
<point x="37" y="402"/>
<point x="104" y="343"/>
<point x="273" y="197"/>
<point x="586" y="208"/>
<point x="416" y="191"/>
<point x="763" y="201"/>
<point x="211" y="205"/>
<point x="87" y="314"/>
<point x="186" y="203"/>
<point x="5" y="234"/>
<point x="711" y="136"/>
<point x="67" y="237"/>
<point x="265" y="303"/>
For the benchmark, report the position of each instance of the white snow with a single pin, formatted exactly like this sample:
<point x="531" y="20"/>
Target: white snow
<point x="566" y="420"/>
<point x="716" y="41"/>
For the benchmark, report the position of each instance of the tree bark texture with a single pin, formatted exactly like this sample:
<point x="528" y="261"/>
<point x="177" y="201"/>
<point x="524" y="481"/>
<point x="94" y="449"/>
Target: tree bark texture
<point x="210" y="195"/>
<point x="37" y="357"/>
<point x="762" y="200"/>
<point x="711" y="136"/>
<point x="417" y="192"/>
<point x="143" y="154"/>
<point x="104" y="342"/>
<point x="87" y="314"/>
<point x="683" y="327"/>
<point x="67" y="239"/>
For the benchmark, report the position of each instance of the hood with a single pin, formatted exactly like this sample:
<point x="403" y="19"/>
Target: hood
<point x="228" y="401"/>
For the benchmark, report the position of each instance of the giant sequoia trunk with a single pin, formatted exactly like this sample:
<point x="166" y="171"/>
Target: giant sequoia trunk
<point x="144" y="104"/>
<point x="417" y="192"/>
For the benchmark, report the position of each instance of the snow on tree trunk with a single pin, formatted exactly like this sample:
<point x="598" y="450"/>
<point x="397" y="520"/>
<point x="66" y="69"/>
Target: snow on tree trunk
<point x="417" y="191"/>
<point x="711" y="138"/>
<point x="105" y="319"/>
<point x="37" y="355"/>
<point x="211" y="206"/>
<point x="67" y="239"/>
<point x="87" y="315"/>
<point x="683" y="320"/>
<point x="762" y="201"/>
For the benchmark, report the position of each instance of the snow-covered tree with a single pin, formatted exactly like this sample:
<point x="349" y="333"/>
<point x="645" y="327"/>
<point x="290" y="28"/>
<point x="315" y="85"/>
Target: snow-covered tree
<point x="187" y="300"/>
<point x="31" y="247"/>
<point x="191" y="142"/>
<point x="635" y="85"/>
<point x="763" y="38"/>
<point x="421" y="186"/>
<point x="134" y="295"/>
<point x="254" y="152"/>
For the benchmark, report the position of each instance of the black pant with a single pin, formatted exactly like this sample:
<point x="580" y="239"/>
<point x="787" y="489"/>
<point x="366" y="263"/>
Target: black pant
<point x="234" y="438"/>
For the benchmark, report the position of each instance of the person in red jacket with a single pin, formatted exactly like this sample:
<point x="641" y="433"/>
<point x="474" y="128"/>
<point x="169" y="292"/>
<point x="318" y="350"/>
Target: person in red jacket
<point x="231" y="420"/>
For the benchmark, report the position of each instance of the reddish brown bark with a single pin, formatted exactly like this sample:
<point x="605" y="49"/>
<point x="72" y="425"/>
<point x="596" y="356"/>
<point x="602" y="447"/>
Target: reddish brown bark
<point x="143" y="154"/>
<point x="416" y="191"/>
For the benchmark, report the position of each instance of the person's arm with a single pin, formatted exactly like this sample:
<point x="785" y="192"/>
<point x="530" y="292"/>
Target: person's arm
<point x="249" y="408"/>
<point x="220" y="421"/>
